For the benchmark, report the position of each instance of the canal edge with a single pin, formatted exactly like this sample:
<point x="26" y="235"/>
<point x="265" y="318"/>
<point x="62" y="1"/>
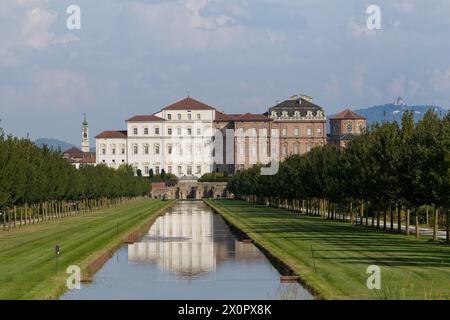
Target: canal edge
<point x="93" y="265"/>
<point x="278" y="263"/>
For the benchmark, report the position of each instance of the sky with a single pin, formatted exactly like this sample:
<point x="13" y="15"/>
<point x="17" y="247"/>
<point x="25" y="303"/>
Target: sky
<point x="137" y="56"/>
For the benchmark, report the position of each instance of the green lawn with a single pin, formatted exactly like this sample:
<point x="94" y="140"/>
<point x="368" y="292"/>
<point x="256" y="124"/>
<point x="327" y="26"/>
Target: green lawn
<point x="27" y="257"/>
<point x="410" y="268"/>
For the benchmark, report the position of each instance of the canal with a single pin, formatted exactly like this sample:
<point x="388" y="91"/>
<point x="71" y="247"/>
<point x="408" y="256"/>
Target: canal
<point x="189" y="253"/>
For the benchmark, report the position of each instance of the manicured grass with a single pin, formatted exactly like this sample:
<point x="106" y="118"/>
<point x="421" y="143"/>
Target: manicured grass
<point x="27" y="256"/>
<point x="410" y="268"/>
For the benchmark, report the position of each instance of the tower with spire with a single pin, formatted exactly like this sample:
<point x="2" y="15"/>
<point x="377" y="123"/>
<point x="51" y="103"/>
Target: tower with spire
<point x="85" y="135"/>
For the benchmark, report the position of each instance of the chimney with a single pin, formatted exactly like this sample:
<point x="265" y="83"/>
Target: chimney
<point x="307" y="98"/>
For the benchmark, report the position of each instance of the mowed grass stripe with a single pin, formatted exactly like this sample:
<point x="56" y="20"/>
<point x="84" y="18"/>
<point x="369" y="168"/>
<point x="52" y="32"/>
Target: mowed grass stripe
<point x="411" y="269"/>
<point x="27" y="258"/>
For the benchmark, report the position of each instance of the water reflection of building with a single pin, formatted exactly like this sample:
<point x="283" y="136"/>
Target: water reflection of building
<point x="179" y="242"/>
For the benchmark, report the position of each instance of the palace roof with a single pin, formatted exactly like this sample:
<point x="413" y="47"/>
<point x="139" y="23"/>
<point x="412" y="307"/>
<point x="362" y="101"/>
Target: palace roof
<point x="73" y="150"/>
<point x="302" y="104"/>
<point x="145" y="118"/>
<point x="188" y="104"/>
<point x="220" y="116"/>
<point x="112" y="135"/>
<point x="347" y="114"/>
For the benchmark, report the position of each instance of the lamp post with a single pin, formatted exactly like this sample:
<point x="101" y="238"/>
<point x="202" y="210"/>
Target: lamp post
<point x="57" y="253"/>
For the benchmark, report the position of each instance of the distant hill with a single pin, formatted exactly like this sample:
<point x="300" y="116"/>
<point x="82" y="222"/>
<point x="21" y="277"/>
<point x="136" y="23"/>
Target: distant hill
<point x="393" y="112"/>
<point x="54" y="144"/>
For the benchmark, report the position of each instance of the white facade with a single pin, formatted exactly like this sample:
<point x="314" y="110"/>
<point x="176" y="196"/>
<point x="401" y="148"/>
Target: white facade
<point x="178" y="140"/>
<point x="111" y="151"/>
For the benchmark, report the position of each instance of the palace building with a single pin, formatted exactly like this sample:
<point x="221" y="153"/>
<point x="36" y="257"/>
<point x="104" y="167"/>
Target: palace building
<point x="191" y="138"/>
<point x="345" y="126"/>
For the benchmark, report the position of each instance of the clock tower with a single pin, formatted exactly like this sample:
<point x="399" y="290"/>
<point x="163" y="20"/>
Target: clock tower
<point x="85" y="135"/>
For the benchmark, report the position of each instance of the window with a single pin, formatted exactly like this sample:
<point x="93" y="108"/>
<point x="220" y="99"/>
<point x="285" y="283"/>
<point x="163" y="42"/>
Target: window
<point x="309" y="132"/>
<point x="179" y="131"/>
<point x="135" y="131"/>
<point x="284" y="132"/>
<point x="169" y="169"/>
<point x="157" y="170"/>
<point x="284" y="150"/>
<point x="189" y="116"/>
<point x="169" y="116"/>
<point x="199" y="131"/>
<point x="264" y="150"/>
<point x="146" y="171"/>
<point x="189" y="171"/>
<point x="253" y="131"/>
<point x="157" y="130"/>
<point x="254" y="150"/>
<point x="264" y="132"/>
<point x="104" y="151"/>
<point x="135" y="149"/>
<point x="180" y="170"/>
<point x="199" y="170"/>
<point x="169" y="149"/>
<point x="199" y="116"/>
<point x="114" y="151"/>
<point x="179" y="116"/>
<point x="156" y="148"/>
<point x="169" y="131"/>
<point x="297" y="132"/>
<point x="275" y="132"/>
<point x="296" y="149"/>
<point x="146" y="149"/>
<point x="241" y="150"/>
<point x="123" y="150"/>
<point x="319" y="131"/>
<point x="146" y="131"/>
<point x="189" y="131"/>
<point x="308" y="148"/>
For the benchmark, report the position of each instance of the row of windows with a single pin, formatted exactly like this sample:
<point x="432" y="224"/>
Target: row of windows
<point x="170" y="131"/>
<point x="284" y="132"/>
<point x="264" y="149"/>
<point x="180" y="116"/>
<point x="180" y="170"/>
<point x="177" y="149"/>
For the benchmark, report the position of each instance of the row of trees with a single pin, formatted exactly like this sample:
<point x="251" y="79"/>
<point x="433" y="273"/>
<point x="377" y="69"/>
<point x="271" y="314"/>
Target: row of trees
<point x="30" y="175"/>
<point x="394" y="172"/>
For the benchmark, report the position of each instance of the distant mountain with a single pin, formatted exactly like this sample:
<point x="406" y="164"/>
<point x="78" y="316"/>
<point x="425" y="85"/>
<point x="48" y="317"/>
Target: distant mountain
<point x="54" y="144"/>
<point x="394" y="111"/>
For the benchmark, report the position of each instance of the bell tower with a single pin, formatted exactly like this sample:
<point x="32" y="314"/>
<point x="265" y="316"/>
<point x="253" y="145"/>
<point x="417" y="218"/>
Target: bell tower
<point x="85" y="135"/>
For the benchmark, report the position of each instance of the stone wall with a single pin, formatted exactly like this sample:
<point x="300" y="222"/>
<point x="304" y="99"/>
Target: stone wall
<point x="192" y="190"/>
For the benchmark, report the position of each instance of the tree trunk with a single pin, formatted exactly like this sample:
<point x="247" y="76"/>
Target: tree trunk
<point x="448" y="227"/>
<point x="417" y="222"/>
<point x="407" y="222"/>
<point x="385" y="219"/>
<point x="399" y="218"/>
<point x="391" y="213"/>
<point x="435" y="223"/>
<point x="427" y="215"/>
<point x="351" y="213"/>
<point x="361" y="213"/>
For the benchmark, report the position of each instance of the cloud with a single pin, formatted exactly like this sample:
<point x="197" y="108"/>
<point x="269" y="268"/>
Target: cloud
<point x="359" y="31"/>
<point x="440" y="81"/>
<point x="35" y="30"/>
